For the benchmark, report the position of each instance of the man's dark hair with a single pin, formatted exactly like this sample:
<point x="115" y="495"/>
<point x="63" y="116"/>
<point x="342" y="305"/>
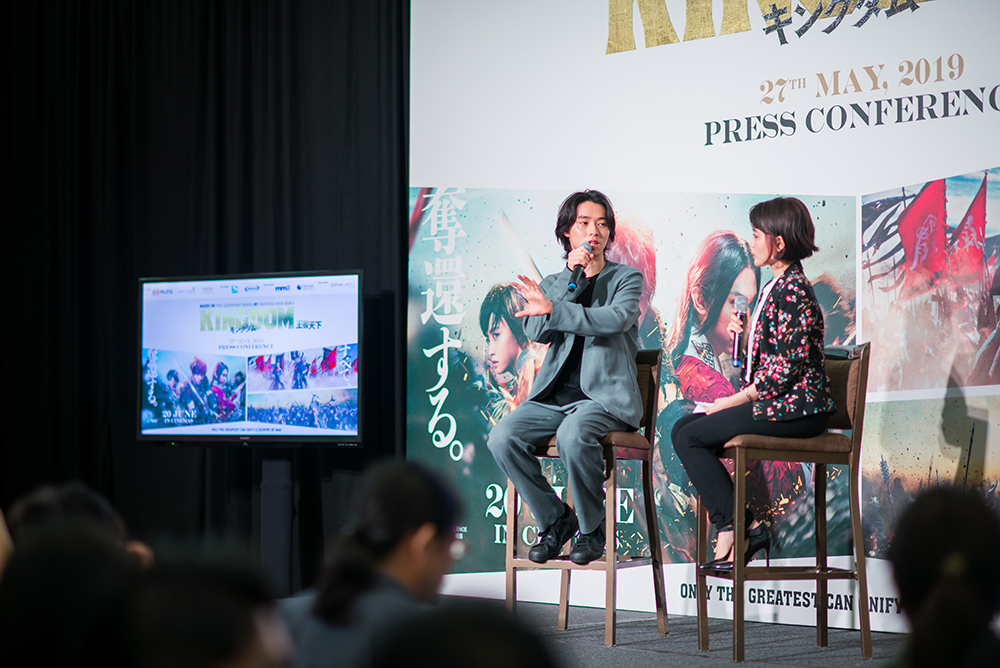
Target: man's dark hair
<point x="567" y="214"/>
<point x="788" y="218"/>
<point x="173" y="375"/>
<point x="501" y="303"/>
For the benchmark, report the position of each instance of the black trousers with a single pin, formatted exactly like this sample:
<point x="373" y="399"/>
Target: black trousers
<point x="698" y="439"/>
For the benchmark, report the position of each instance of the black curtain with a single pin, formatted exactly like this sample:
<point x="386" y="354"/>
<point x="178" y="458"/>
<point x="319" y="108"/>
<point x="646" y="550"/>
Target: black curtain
<point x="175" y="138"/>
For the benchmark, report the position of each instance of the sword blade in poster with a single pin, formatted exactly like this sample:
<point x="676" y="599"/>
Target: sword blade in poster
<point x="417" y="216"/>
<point x="519" y="252"/>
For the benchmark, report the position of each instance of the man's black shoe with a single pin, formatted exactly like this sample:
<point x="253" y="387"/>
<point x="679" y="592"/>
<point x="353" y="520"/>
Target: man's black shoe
<point x="551" y="540"/>
<point x="588" y="546"/>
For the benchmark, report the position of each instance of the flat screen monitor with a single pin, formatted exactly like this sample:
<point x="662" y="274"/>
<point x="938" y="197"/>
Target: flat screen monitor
<point x="271" y="358"/>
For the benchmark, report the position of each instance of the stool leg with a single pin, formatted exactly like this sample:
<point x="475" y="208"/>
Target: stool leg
<point x="511" y="548"/>
<point x="564" y="580"/>
<point x="701" y="582"/>
<point x="739" y="530"/>
<point x="564" y="599"/>
<point x="610" y="548"/>
<point x="655" y="550"/>
<point x="860" y="565"/>
<point x="822" y="618"/>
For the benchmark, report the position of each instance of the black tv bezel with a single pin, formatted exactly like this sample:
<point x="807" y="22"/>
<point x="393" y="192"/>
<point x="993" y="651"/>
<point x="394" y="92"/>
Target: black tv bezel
<point x="296" y="440"/>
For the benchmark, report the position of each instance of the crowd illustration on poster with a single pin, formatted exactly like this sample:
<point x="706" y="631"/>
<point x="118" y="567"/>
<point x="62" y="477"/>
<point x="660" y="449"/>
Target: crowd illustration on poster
<point x="301" y="388"/>
<point x="931" y="301"/>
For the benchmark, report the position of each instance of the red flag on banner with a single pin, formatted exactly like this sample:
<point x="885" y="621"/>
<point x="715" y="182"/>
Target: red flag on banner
<point x="921" y="229"/>
<point x="329" y="359"/>
<point x="965" y="261"/>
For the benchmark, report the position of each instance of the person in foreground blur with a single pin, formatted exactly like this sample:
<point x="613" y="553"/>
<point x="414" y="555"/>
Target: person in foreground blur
<point x="6" y="544"/>
<point x="73" y="502"/>
<point x="384" y="567"/>
<point x="62" y="579"/>
<point x="784" y="391"/>
<point x="201" y="612"/>
<point x="465" y="634"/>
<point x="946" y="562"/>
<point x="70" y="559"/>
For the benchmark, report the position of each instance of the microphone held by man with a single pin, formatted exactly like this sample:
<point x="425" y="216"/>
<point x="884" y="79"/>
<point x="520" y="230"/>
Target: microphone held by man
<point x="574" y="280"/>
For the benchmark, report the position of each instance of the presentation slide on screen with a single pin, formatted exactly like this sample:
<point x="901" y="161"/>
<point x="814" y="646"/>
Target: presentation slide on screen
<point x="882" y="116"/>
<point x="250" y="357"/>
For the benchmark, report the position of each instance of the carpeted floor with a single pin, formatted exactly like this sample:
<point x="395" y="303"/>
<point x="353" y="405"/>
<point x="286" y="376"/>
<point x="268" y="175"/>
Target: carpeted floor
<point x="639" y="646"/>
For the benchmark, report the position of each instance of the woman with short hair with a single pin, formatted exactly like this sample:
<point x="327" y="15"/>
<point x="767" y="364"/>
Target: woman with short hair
<point x="784" y="388"/>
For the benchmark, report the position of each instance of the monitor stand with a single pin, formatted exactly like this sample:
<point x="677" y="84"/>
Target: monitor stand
<point x="276" y="512"/>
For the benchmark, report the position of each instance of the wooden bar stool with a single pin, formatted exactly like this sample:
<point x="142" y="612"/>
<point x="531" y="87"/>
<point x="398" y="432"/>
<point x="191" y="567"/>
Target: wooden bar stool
<point x="617" y="445"/>
<point x="847" y="368"/>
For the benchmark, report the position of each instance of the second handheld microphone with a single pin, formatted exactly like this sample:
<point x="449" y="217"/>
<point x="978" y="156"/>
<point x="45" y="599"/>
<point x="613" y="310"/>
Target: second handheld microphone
<point x="740" y="306"/>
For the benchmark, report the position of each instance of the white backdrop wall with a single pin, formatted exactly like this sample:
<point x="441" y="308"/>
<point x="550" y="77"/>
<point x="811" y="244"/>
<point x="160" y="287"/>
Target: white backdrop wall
<point x="687" y="113"/>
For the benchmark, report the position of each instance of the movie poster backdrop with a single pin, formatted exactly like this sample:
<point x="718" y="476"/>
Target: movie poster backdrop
<point x="468" y="244"/>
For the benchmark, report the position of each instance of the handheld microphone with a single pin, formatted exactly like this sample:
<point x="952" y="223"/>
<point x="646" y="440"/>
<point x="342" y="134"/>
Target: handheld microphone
<point x="574" y="280"/>
<point x="740" y="306"/>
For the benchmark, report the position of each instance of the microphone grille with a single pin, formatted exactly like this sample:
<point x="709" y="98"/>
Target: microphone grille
<point x="740" y="304"/>
<point x="586" y="244"/>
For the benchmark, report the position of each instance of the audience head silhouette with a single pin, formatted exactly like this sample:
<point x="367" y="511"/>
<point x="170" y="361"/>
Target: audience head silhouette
<point x="464" y="634"/>
<point x="944" y="555"/>
<point x="76" y="503"/>
<point x="201" y="612"/>
<point x="403" y="526"/>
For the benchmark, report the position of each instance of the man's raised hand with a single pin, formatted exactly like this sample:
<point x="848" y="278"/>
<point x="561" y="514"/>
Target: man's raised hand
<point x="538" y="303"/>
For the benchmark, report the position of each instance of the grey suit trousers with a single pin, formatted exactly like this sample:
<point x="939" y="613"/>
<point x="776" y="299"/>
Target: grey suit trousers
<point x="578" y="427"/>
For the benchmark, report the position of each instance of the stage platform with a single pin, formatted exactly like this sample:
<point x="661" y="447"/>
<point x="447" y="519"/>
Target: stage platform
<point x="582" y="645"/>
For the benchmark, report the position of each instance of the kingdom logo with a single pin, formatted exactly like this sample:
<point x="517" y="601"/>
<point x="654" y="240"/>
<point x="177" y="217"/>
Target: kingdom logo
<point x="246" y="319"/>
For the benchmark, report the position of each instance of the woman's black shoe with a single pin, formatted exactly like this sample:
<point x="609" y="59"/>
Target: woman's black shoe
<point x="759" y="539"/>
<point x="725" y="559"/>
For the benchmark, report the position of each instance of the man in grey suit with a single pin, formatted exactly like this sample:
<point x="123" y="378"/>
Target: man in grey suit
<point x="586" y="386"/>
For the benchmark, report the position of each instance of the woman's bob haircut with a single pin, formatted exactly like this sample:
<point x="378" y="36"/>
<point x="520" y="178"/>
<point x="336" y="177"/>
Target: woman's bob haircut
<point x="788" y="218"/>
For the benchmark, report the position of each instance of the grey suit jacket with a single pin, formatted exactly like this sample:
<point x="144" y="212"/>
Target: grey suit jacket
<point x="611" y="330"/>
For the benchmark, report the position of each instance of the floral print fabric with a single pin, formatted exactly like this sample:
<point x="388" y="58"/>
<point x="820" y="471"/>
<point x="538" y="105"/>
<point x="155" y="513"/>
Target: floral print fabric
<point x="787" y="354"/>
